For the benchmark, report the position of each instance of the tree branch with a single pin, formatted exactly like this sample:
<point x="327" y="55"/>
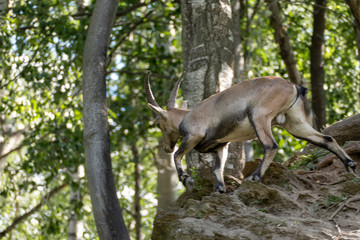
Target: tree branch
<point x="123" y="39"/>
<point x="133" y="7"/>
<point x="120" y="13"/>
<point x="32" y="211"/>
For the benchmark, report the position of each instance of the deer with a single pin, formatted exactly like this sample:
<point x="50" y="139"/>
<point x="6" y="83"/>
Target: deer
<point x="245" y="111"/>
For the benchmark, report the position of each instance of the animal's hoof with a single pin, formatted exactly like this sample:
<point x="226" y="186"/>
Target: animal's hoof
<point x="187" y="181"/>
<point x="254" y="177"/>
<point x="353" y="165"/>
<point x="220" y="188"/>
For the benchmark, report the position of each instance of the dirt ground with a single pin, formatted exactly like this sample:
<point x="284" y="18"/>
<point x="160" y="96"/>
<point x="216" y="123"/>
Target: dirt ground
<point x="287" y="204"/>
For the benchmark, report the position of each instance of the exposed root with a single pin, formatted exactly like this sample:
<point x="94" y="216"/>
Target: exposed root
<point x="338" y="237"/>
<point x="353" y="199"/>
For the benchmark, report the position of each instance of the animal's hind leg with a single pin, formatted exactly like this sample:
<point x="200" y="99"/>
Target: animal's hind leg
<point x="188" y="143"/>
<point x="262" y="127"/>
<point x="298" y="127"/>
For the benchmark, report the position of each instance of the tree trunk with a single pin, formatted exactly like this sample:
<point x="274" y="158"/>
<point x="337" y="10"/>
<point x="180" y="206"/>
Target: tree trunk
<point x="355" y="9"/>
<point x="208" y="58"/>
<point x="75" y="226"/>
<point x="282" y="38"/>
<point x="137" y="197"/>
<point x="239" y="61"/>
<point x="286" y="52"/>
<point x="167" y="177"/>
<point x="317" y="65"/>
<point x="347" y="129"/>
<point x="106" y="209"/>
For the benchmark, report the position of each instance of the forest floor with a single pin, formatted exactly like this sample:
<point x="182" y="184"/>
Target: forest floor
<point x="287" y="204"/>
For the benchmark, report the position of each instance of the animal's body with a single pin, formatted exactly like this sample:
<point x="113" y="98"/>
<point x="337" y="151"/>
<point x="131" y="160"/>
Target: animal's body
<point x="242" y="112"/>
<point x="237" y="110"/>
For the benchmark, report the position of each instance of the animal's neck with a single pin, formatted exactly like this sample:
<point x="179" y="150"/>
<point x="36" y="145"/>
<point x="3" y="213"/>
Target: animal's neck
<point x="178" y="115"/>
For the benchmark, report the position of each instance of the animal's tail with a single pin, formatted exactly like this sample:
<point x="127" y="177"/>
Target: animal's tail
<point x="302" y="91"/>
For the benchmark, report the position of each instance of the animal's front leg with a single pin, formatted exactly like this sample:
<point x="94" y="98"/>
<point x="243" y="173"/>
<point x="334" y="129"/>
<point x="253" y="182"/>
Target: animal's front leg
<point x="188" y="143"/>
<point x="220" y="160"/>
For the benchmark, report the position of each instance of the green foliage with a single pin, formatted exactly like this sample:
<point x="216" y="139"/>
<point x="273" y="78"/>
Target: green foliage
<point x="41" y="48"/>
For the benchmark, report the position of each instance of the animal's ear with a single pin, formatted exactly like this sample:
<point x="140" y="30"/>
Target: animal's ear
<point x="158" y="110"/>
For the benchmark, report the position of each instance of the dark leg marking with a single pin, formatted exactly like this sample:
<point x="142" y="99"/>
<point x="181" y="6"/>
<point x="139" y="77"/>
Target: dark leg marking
<point x="188" y="143"/>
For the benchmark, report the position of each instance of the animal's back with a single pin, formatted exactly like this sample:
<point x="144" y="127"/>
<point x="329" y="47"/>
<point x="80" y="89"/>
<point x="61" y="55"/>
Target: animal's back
<point x="241" y="97"/>
<point x="225" y="116"/>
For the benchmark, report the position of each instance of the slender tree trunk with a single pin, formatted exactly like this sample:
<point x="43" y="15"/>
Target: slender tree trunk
<point x="208" y="58"/>
<point x="282" y="38"/>
<point x="167" y="177"/>
<point x="106" y="208"/>
<point x="75" y="226"/>
<point x="137" y="197"/>
<point x="286" y="52"/>
<point x="317" y="64"/>
<point x="355" y="9"/>
<point x="239" y="61"/>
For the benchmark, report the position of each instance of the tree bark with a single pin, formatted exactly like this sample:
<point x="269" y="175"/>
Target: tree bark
<point x="106" y="209"/>
<point x="355" y="9"/>
<point x="347" y="129"/>
<point x="239" y="60"/>
<point x="238" y="15"/>
<point x="317" y="65"/>
<point x="208" y="58"/>
<point x="282" y="38"/>
<point x="167" y="177"/>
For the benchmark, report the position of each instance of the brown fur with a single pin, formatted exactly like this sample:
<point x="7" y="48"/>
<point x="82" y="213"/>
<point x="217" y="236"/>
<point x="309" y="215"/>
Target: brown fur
<point x="246" y="110"/>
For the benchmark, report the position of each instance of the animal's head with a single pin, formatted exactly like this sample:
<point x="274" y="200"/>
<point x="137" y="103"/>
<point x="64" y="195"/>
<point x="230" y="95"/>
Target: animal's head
<point x="167" y="120"/>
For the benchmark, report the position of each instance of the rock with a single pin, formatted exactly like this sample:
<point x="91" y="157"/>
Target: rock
<point x="285" y="205"/>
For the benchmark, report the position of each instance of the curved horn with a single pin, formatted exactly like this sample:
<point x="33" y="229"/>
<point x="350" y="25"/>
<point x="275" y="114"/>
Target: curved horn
<point x="149" y="94"/>
<point x="174" y="91"/>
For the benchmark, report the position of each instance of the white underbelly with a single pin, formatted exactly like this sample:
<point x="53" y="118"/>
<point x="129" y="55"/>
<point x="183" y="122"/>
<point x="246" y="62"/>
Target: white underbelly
<point x="243" y="131"/>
